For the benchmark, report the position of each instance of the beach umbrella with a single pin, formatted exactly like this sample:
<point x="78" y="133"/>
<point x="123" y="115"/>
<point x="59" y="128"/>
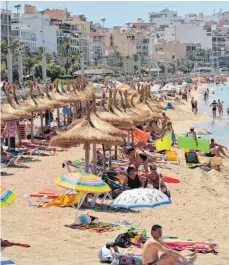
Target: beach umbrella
<point x="7" y="197"/>
<point x="100" y="124"/>
<point x="201" y="131"/>
<point x="141" y="198"/>
<point x="13" y="109"/>
<point x="86" y="133"/>
<point x="6" y="117"/>
<point x="83" y="182"/>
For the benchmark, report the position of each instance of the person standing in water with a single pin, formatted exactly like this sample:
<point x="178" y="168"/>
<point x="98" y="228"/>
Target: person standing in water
<point x="220" y="107"/>
<point x="214" y="107"/>
<point x="193" y="104"/>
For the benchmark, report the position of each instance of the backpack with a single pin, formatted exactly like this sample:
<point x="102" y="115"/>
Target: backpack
<point x="123" y="240"/>
<point x="191" y="158"/>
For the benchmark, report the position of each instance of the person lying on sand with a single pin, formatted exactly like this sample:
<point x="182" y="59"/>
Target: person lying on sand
<point x="217" y="149"/>
<point x="154" y="245"/>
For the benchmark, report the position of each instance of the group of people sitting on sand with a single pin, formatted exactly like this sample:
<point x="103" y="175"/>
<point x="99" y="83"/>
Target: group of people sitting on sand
<point x="154" y="251"/>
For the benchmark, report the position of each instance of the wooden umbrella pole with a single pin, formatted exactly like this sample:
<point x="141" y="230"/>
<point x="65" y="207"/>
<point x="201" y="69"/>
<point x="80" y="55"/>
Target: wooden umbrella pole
<point x="87" y="145"/>
<point x="116" y="152"/>
<point x="132" y="137"/>
<point x="128" y="138"/>
<point x="32" y="128"/>
<point x="58" y="118"/>
<point x="94" y="159"/>
<point x="42" y="126"/>
<point x="110" y="157"/>
<point x="19" y="133"/>
<point x="87" y="156"/>
<point x="8" y="127"/>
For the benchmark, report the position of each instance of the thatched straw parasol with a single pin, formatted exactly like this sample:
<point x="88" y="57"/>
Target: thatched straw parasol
<point x="118" y="121"/>
<point x="86" y="133"/>
<point x="14" y="109"/>
<point x="6" y="117"/>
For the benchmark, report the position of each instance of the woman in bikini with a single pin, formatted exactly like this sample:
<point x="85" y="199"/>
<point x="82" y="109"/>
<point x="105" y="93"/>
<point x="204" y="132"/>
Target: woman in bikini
<point x="137" y="158"/>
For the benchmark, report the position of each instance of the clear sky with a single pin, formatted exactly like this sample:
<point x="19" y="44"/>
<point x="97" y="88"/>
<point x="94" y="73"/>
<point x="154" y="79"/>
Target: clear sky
<point x="119" y="13"/>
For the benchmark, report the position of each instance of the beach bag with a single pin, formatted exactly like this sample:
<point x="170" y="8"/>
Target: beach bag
<point x="126" y="260"/>
<point x="123" y="240"/>
<point x="191" y="158"/>
<point x="105" y="255"/>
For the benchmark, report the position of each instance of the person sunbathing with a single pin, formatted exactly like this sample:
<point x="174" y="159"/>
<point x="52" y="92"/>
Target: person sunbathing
<point x="154" y="245"/>
<point x="217" y="149"/>
<point x="137" y="158"/>
<point x="5" y="156"/>
<point x="133" y="180"/>
<point x="153" y="178"/>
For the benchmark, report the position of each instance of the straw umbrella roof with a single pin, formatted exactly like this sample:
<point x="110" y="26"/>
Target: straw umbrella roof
<point x="14" y="109"/>
<point x="6" y="117"/>
<point x="85" y="132"/>
<point x="98" y="123"/>
<point x="120" y="122"/>
<point x="33" y="104"/>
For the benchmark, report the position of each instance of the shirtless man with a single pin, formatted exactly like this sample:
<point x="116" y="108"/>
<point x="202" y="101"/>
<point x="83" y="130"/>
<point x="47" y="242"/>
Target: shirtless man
<point x="164" y="121"/>
<point x="153" y="245"/>
<point x="217" y="149"/>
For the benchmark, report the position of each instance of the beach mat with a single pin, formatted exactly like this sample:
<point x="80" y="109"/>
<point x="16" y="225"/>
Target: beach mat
<point x="200" y="247"/>
<point x="185" y="142"/>
<point x="97" y="228"/>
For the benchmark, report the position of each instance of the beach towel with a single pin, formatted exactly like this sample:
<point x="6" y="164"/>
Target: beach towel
<point x="164" y="143"/>
<point x="200" y="247"/>
<point x="6" y="261"/>
<point x="98" y="228"/>
<point x="65" y="200"/>
<point x="6" y="243"/>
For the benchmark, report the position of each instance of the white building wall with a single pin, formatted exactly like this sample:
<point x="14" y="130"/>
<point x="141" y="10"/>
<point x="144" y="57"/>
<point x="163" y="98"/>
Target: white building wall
<point x="50" y="31"/>
<point x="27" y="35"/>
<point x="186" y="33"/>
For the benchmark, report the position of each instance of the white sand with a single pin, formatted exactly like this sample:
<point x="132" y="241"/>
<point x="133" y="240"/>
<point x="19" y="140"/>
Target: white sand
<point x="199" y="210"/>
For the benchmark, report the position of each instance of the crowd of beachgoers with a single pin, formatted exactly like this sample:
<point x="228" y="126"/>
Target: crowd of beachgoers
<point x="139" y="134"/>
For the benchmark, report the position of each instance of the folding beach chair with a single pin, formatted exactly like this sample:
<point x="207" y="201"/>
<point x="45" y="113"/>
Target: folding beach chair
<point x="12" y="162"/>
<point x="46" y="194"/>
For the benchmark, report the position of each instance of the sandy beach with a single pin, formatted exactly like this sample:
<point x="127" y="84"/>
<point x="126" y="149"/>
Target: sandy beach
<point x="199" y="209"/>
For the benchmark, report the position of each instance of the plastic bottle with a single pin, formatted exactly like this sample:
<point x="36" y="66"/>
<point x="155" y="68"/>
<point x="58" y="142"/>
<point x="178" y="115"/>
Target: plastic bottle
<point x="144" y="233"/>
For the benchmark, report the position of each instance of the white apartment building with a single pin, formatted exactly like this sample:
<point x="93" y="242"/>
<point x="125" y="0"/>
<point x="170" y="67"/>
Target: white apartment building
<point x="38" y="22"/>
<point x="164" y="17"/>
<point x="96" y="47"/>
<point x="27" y="35"/>
<point x="189" y="33"/>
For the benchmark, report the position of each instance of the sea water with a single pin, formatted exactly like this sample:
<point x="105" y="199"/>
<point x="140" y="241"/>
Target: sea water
<point x="219" y="126"/>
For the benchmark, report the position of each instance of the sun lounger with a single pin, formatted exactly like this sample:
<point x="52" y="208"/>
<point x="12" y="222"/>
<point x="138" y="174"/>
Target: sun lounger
<point x="12" y="161"/>
<point x="42" y="196"/>
<point x="42" y="148"/>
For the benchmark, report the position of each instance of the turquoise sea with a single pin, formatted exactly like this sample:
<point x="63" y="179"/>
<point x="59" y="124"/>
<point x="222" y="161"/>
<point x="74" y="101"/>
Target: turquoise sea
<point x="220" y="126"/>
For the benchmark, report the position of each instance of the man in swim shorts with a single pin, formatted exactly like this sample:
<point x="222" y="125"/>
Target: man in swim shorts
<point x="153" y="245"/>
<point x="214" y="107"/>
